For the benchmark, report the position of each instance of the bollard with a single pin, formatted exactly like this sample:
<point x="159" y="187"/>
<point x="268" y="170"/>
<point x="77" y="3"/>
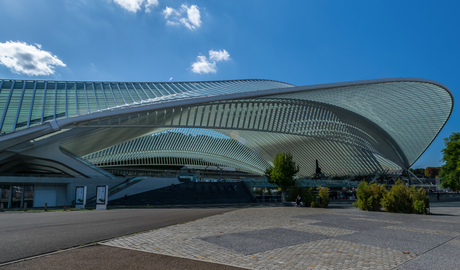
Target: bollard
<point x="25" y="207"/>
<point x="1" y="207"/>
<point x="46" y="206"/>
<point x="65" y="206"/>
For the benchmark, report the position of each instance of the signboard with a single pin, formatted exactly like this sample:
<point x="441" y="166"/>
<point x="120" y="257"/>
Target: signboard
<point x="101" y="197"/>
<point x="79" y="195"/>
<point x="100" y="194"/>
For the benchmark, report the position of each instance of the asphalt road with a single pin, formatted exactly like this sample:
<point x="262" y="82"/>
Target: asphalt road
<point x="24" y="235"/>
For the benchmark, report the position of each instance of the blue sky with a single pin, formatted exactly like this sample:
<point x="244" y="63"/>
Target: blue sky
<point x="299" y="42"/>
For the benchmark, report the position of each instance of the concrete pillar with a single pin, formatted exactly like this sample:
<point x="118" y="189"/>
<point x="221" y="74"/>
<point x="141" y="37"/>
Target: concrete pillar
<point x="22" y="196"/>
<point x="10" y="197"/>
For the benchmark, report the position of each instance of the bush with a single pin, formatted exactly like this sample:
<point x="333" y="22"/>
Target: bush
<point x="400" y="199"/>
<point x="323" y="192"/>
<point x="309" y="197"/>
<point x="420" y="201"/>
<point x="368" y="197"/>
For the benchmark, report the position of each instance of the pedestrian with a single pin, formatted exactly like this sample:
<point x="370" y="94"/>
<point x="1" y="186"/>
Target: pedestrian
<point x="437" y="196"/>
<point x="298" y="200"/>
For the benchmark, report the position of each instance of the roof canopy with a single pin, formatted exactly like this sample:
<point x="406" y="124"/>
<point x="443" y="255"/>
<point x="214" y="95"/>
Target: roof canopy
<point x="355" y="128"/>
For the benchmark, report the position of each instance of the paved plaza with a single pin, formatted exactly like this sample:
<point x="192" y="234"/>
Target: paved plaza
<point x="308" y="238"/>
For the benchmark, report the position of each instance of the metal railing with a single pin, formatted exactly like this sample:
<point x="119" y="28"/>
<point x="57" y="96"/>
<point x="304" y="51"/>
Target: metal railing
<point x="268" y="198"/>
<point x="117" y="188"/>
<point x="54" y="176"/>
<point x="250" y="191"/>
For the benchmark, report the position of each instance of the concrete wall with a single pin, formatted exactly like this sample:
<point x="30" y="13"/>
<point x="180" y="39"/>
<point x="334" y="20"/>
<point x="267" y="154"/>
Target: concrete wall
<point x="53" y="195"/>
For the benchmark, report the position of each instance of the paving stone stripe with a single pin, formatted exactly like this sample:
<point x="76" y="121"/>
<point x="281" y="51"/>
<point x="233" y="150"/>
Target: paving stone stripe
<point x="378" y="220"/>
<point x="440" y="220"/>
<point x="345" y="214"/>
<point x="454" y="242"/>
<point x="329" y="231"/>
<point x="418" y="230"/>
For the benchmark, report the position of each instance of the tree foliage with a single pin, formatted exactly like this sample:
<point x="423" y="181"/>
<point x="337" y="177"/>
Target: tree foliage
<point x="450" y="171"/>
<point x="432" y="172"/>
<point x="283" y="171"/>
<point x="419" y="172"/>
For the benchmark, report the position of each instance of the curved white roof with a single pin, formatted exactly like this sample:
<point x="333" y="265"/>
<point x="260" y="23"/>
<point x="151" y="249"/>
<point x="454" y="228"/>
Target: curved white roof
<point x="356" y="128"/>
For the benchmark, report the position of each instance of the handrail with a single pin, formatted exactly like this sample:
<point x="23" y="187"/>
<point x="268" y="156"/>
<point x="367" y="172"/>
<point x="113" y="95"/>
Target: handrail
<point x="118" y="188"/>
<point x="249" y="189"/>
<point x="54" y="176"/>
<point x="271" y="197"/>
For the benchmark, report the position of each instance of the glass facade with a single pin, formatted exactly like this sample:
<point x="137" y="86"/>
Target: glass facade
<point x="14" y="196"/>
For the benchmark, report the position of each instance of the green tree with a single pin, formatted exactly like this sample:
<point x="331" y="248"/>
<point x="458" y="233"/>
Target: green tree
<point x="432" y="172"/>
<point x="283" y="171"/>
<point x="450" y="171"/>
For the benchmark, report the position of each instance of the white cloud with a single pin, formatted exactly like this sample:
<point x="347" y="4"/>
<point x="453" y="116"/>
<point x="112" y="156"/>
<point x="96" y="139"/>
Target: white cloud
<point x="28" y="59"/>
<point x="221" y="55"/>
<point x="203" y="65"/>
<point x="168" y="11"/>
<point x="187" y="16"/>
<point x="193" y="16"/>
<point x="135" y="5"/>
<point x="149" y="3"/>
<point x="172" y="23"/>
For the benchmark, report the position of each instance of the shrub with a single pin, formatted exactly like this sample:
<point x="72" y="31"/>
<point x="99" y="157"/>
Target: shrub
<point x="400" y="199"/>
<point x="420" y="201"/>
<point x="309" y="197"/>
<point x="369" y="196"/>
<point x="404" y="199"/>
<point x="323" y="192"/>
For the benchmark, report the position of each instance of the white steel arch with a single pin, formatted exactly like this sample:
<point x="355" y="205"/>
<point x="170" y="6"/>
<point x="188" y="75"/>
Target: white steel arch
<point x="359" y="127"/>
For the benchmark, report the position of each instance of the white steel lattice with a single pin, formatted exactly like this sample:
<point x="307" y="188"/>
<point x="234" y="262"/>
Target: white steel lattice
<point x="351" y="128"/>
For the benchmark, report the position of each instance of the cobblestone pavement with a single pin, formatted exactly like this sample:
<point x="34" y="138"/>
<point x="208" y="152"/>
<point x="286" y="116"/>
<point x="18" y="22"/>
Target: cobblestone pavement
<point x="307" y="238"/>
